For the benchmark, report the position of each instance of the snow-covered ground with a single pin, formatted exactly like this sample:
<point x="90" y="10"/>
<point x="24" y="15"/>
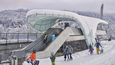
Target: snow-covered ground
<point x="84" y="58"/>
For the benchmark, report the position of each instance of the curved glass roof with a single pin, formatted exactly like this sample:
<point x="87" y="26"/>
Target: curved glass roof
<point x="43" y="22"/>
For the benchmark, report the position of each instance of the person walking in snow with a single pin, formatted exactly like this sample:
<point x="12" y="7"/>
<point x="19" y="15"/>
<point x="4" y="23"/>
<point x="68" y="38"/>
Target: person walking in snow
<point x="91" y="49"/>
<point x="70" y="51"/>
<point x="65" y="52"/>
<point x="52" y="58"/>
<point x="98" y="45"/>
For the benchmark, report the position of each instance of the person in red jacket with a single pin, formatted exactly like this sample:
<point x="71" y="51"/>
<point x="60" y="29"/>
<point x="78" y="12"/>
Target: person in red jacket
<point x="33" y="57"/>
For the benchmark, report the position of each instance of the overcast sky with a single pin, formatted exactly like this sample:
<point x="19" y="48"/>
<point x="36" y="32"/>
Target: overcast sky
<point x="80" y="5"/>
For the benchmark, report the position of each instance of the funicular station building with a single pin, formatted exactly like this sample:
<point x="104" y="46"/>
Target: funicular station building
<point x="69" y="28"/>
<point x="48" y="22"/>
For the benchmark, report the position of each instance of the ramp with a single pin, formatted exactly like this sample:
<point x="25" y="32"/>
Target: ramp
<point x="67" y="35"/>
<point x="56" y="44"/>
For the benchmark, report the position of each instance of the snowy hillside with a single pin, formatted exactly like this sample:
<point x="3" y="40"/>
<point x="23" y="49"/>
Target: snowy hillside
<point x="14" y="21"/>
<point x="84" y="58"/>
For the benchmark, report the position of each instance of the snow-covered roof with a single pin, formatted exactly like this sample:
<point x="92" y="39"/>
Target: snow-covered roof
<point x="87" y="24"/>
<point x="45" y="11"/>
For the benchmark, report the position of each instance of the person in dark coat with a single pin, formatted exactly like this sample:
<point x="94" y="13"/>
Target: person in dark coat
<point x="70" y="51"/>
<point x="65" y="52"/>
<point x="45" y="38"/>
<point x="98" y="45"/>
<point x="66" y="25"/>
<point x="91" y="49"/>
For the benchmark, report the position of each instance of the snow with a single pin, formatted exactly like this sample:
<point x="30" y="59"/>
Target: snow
<point x="84" y="58"/>
<point x="25" y="63"/>
<point x="44" y="11"/>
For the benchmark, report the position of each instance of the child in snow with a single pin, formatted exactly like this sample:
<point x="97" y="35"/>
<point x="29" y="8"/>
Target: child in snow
<point x="91" y="49"/>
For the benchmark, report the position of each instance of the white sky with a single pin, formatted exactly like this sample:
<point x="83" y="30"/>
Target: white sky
<point x="80" y="5"/>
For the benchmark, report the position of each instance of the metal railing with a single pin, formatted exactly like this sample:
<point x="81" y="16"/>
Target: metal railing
<point x="18" y="37"/>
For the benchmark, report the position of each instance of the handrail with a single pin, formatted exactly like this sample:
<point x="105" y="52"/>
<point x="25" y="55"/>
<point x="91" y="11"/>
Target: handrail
<point x="39" y="40"/>
<point x="36" y="45"/>
<point x="33" y="46"/>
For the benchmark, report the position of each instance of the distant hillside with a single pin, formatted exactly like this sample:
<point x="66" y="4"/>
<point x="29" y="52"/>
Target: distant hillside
<point x="14" y="21"/>
<point x="13" y="18"/>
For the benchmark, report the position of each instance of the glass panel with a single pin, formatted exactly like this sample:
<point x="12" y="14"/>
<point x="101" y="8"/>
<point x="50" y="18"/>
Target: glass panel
<point x="44" y="22"/>
<point x="41" y="22"/>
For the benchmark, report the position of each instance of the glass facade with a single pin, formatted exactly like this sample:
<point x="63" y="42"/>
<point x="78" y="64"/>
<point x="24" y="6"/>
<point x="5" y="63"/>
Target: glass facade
<point x="44" y="22"/>
<point x="41" y="22"/>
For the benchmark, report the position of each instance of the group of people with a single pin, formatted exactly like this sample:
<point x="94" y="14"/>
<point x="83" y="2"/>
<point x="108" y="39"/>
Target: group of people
<point x="63" y="25"/>
<point x="67" y="52"/>
<point x="99" y="48"/>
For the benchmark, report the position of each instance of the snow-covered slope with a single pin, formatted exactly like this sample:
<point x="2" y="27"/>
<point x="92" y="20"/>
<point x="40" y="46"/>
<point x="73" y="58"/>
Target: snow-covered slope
<point x="84" y="58"/>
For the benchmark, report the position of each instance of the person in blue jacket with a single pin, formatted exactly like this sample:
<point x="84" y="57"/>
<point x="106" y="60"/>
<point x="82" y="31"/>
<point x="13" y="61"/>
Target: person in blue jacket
<point x="53" y="37"/>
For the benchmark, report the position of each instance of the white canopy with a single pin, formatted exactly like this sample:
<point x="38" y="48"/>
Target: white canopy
<point x="87" y="24"/>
